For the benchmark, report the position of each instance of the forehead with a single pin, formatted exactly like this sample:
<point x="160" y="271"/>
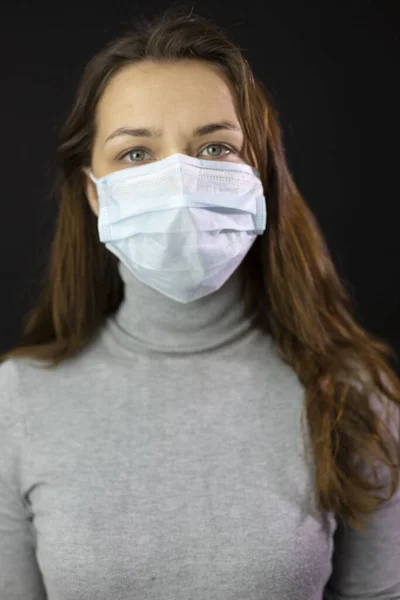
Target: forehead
<point x="149" y="91"/>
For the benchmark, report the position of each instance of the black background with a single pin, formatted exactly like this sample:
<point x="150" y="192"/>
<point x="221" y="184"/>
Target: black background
<point x="332" y="67"/>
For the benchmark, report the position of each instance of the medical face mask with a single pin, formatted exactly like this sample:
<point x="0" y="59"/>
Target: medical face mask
<point x="181" y="225"/>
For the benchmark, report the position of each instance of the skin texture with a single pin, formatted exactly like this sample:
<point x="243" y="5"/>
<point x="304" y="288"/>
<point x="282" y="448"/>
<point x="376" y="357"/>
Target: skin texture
<point x="174" y="99"/>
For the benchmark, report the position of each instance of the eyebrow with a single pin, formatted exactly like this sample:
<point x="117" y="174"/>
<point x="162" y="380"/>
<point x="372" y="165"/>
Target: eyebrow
<point x="198" y="132"/>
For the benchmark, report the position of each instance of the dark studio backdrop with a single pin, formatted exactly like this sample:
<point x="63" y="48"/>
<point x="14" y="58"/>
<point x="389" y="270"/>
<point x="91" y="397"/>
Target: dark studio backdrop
<point x="332" y="67"/>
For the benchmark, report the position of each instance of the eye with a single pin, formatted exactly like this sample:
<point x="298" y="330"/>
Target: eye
<point x="138" y="155"/>
<point x="214" y="150"/>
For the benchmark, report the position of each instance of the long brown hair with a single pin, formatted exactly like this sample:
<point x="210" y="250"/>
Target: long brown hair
<point x="289" y="276"/>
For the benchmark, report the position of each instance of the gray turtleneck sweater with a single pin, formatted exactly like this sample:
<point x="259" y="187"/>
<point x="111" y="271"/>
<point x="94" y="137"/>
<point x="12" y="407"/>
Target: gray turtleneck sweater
<point x="166" y="462"/>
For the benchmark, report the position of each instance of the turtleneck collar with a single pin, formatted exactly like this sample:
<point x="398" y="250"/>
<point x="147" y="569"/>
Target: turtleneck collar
<point x="148" y="319"/>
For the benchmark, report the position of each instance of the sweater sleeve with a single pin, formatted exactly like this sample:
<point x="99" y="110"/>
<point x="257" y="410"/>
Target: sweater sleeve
<point x="367" y="565"/>
<point x="20" y="577"/>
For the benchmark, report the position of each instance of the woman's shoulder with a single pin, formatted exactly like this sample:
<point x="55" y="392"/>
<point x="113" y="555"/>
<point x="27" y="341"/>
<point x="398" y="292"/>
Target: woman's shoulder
<point x="16" y="371"/>
<point x="27" y="371"/>
<point x="11" y="421"/>
<point x="9" y="378"/>
<point x="19" y="377"/>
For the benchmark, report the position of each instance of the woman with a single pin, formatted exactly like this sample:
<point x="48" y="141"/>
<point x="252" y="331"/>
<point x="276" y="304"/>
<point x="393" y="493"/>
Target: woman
<point x="191" y="317"/>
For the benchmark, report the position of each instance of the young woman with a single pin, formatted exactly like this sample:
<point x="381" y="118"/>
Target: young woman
<point x="192" y="411"/>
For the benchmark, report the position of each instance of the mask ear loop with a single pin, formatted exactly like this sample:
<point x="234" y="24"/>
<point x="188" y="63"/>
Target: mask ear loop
<point x="92" y="177"/>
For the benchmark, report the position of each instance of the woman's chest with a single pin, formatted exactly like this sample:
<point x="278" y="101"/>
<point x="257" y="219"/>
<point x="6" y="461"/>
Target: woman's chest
<point x="186" y="481"/>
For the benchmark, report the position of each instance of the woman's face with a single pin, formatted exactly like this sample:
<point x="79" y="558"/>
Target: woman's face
<point x="152" y="110"/>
